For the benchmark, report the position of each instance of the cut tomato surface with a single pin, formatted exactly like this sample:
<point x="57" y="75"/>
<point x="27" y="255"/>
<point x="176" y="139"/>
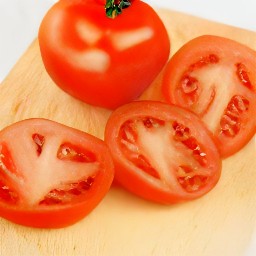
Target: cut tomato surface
<point x="215" y="77"/>
<point x="102" y="61"/>
<point x="162" y="152"/>
<point x="51" y="175"/>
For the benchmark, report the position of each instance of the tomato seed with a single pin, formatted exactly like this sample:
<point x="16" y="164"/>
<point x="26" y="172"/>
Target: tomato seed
<point x="70" y="152"/>
<point x="7" y="195"/>
<point x="229" y="127"/>
<point x="189" y="84"/>
<point x="128" y="142"/>
<point x="39" y="141"/>
<point x="141" y="162"/>
<point x="182" y="134"/>
<point x="86" y="184"/>
<point x="243" y="75"/>
<point x="75" y="191"/>
<point x="200" y="156"/>
<point x="191" y="143"/>
<point x="241" y="103"/>
<point x="188" y="180"/>
<point x="230" y="122"/>
<point x="51" y="199"/>
<point x="150" y="122"/>
<point x="67" y="193"/>
<point x="128" y="133"/>
<point x="204" y="61"/>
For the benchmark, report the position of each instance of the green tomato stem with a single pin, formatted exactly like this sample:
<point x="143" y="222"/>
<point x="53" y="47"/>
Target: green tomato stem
<point x="114" y="7"/>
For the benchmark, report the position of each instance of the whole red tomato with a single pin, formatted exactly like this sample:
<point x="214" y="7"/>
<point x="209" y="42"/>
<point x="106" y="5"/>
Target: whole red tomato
<point x="102" y="61"/>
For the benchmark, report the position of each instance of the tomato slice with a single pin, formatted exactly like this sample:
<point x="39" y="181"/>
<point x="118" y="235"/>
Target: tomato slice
<point x="51" y="175"/>
<point x="215" y="77"/>
<point x="162" y="152"/>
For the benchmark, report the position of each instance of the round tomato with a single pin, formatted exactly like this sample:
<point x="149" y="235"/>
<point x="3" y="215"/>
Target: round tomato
<point x="102" y="61"/>
<point x="215" y="77"/>
<point x="162" y="152"/>
<point x="51" y="175"/>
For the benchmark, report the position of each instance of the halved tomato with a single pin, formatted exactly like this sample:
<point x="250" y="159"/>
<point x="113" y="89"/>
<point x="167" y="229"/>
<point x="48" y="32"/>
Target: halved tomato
<point x="215" y="77"/>
<point x="162" y="152"/>
<point x="51" y="175"/>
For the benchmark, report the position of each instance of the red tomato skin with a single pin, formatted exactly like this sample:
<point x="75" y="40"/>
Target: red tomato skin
<point x="229" y="51"/>
<point x="54" y="219"/>
<point x="129" y="72"/>
<point x="125" y="174"/>
<point x="59" y="215"/>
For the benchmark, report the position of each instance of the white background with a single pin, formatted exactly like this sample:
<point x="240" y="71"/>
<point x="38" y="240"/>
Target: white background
<point x="19" y="21"/>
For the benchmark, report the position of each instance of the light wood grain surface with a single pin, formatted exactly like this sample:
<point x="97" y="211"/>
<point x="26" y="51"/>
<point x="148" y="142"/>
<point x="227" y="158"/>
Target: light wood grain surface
<point x="221" y="223"/>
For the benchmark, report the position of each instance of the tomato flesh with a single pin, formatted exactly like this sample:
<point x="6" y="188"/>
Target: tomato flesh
<point x="51" y="175"/>
<point x="185" y="173"/>
<point x="159" y="154"/>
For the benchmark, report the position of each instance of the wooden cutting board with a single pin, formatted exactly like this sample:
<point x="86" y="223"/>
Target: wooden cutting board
<point x="221" y="223"/>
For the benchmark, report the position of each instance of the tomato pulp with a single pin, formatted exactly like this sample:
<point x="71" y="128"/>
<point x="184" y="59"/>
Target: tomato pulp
<point x="51" y="175"/>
